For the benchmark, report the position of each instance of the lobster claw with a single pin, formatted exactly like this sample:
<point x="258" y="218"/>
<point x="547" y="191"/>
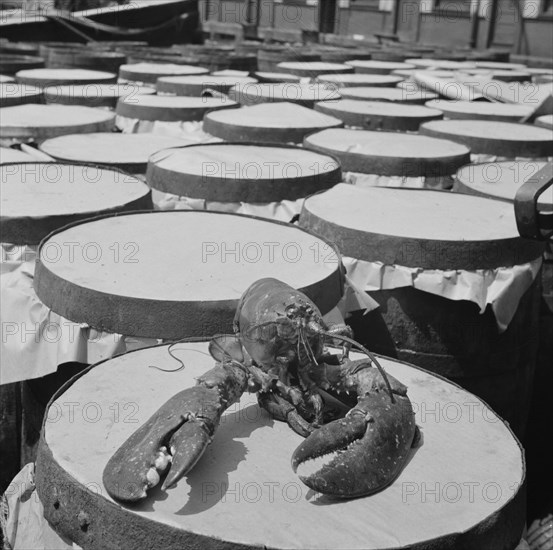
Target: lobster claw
<point x="362" y="453"/>
<point x="171" y="441"/>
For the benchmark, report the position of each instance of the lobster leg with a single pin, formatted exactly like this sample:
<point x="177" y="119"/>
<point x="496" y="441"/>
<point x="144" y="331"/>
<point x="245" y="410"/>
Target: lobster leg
<point x="175" y="436"/>
<point x="365" y="451"/>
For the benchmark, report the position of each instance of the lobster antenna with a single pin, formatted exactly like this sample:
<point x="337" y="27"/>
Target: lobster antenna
<point x="170" y="352"/>
<point x="368" y="354"/>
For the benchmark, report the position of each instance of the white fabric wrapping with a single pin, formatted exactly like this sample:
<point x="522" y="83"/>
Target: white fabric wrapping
<point x="502" y="288"/>
<point x="374" y="180"/>
<point x="191" y="130"/>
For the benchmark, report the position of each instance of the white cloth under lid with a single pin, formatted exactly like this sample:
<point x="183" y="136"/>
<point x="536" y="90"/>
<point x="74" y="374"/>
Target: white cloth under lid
<point x="501" y="288"/>
<point x="374" y="180"/>
<point x="191" y="130"/>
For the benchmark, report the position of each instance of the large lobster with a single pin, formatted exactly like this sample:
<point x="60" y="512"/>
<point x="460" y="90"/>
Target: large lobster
<point x="279" y="351"/>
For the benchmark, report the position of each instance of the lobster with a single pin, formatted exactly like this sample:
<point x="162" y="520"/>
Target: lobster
<point x="278" y="350"/>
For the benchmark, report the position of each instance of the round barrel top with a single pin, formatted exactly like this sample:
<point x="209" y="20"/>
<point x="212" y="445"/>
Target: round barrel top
<point x="195" y="85"/>
<point x="41" y="197"/>
<point x="177" y="273"/>
<point x="389" y="153"/>
<point x="276" y="123"/>
<point x="12" y="93"/>
<point x="309" y="68"/>
<point x="56" y="77"/>
<point x="432" y="72"/>
<point x="126" y="151"/>
<point x="500" y="180"/>
<point x="276" y="77"/>
<point x="379" y="115"/>
<point x="170" y="108"/>
<point x="358" y="80"/>
<point x="397" y="95"/>
<point x="545" y="121"/>
<point x="462" y="487"/>
<point x="378" y="67"/>
<point x="505" y="76"/>
<point x="419" y="228"/>
<point x="443" y="64"/>
<point x="150" y="72"/>
<point x="494" y="138"/>
<point x="500" y="65"/>
<point x="305" y="94"/>
<point x="482" y="110"/>
<point x="236" y="172"/>
<point x="13" y="155"/>
<point x="11" y="64"/>
<point x="93" y="95"/>
<point x="45" y="121"/>
<point x="4" y="78"/>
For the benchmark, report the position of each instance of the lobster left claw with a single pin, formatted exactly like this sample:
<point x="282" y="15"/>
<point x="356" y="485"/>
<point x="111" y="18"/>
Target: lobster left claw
<point x="362" y="453"/>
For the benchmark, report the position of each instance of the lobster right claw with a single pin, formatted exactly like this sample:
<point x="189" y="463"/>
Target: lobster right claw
<point x="362" y="453"/>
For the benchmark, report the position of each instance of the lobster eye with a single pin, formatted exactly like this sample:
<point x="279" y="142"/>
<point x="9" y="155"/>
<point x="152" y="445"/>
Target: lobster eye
<point x="291" y="311"/>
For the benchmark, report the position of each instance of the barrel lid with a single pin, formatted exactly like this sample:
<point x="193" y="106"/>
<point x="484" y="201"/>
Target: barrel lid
<point x="45" y="121"/>
<point x="40" y="197"/>
<point x="376" y="115"/>
<point x="469" y="456"/>
<point x="358" y="80"/>
<point x="419" y="228"/>
<point x="93" y="95"/>
<point x="378" y="67"/>
<point x="270" y="122"/>
<point x="545" y="121"/>
<point x="398" y="95"/>
<point x="126" y="151"/>
<point x="248" y="172"/>
<point x="194" y="85"/>
<point x="505" y="76"/>
<point x="170" y="108"/>
<point x="499" y="65"/>
<point x="313" y="68"/>
<point x="177" y="273"/>
<point x="150" y="72"/>
<point x="494" y="138"/>
<point x="12" y="93"/>
<point x="8" y="155"/>
<point x="276" y="77"/>
<point x="481" y="110"/>
<point x="305" y="94"/>
<point x="500" y="180"/>
<point x="443" y="64"/>
<point x="389" y="153"/>
<point x="11" y="64"/>
<point x="438" y="73"/>
<point x="56" y="77"/>
<point x="4" y="78"/>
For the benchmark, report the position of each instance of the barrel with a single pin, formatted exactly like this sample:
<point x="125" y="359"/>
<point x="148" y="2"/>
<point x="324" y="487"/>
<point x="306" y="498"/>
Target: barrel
<point x="269" y="57"/>
<point x="12" y="64"/>
<point x="150" y="72"/>
<point x="394" y="95"/>
<point x="457" y="287"/>
<point x="378" y="67"/>
<point x="481" y="451"/>
<point x="197" y="85"/>
<point x="289" y="123"/>
<point x="247" y="178"/>
<point x="12" y="94"/>
<point x="86" y="59"/>
<point x="61" y="77"/>
<point x="481" y="110"/>
<point x="312" y="69"/>
<point x="20" y="48"/>
<point x="38" y="198"/>
<point x="359" y="80"/>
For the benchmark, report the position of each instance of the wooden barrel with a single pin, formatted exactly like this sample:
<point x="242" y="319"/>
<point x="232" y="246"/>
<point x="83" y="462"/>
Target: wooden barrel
<point x="197" y="85"/>
<point x="359" y="80"/>
<point x="375" y="115"/>
<point x="194" y="290"/>
<point x="493" y="138"/>
<point x="312" y="69"/>
<point x="481" y="110"/>
<point x="331" y="54"/>
<point x="20" y="48"/>
<point x="150" y="72"/>
<point x="390" y="55"/>
<point x="378" y="67"/>
<point x="171" y="108"/>
<point x="500" y="65"/>
<point x="12" y="64"/>
<point x="301" y="94"/>
<point x="274" y="123"/>
<point x="419" y="240"/>
<point x="40" y="122"/>
<point x="124" y="151"/>
<point x="390" y="154"/>
<point x="45" y="48"/>
<point x="440" y="64"/>
<point x="12" y="94"/>
<point x="38" y="198"/>
<point x="94" y="95"/>
<point x="117" y="45"/>
<point x="269" y="57"/>
<point x="505" y="76"/>
<point x="86" y="59"/>
<point x="395" y="95"/>
<point x="276" y="77"/>
<point x="60" y="77"/>
<point x="242" y="172"/>
<point x="463" y="488"/>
